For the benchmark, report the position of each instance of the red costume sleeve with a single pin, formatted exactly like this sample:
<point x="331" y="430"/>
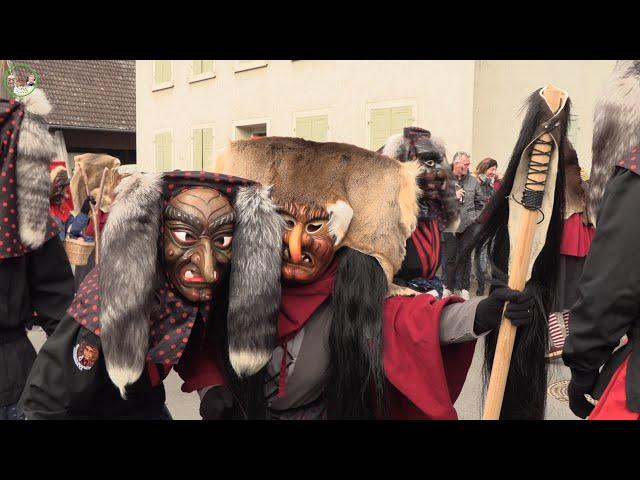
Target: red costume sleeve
<point x="198" y="367"/>
<point x="424" y="377"/>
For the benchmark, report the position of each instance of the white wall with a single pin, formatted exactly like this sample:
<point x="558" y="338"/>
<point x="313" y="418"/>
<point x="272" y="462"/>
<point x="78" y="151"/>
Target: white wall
<point x="442" y="91"/>
<point x="501" y="87"/>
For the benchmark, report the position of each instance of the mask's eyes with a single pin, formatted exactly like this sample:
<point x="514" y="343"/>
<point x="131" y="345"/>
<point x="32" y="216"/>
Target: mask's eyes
<point x="184" y="236"/>
<point x="289" y="222"/>
<point x="313" y="227"/>
<point x="223" y="242"/>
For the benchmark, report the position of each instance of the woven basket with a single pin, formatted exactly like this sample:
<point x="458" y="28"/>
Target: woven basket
<point x="78" y="250"/>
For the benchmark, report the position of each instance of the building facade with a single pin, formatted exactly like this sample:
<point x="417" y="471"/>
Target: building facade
<point x="93" y="105"/>
<point x="187" y="109"/>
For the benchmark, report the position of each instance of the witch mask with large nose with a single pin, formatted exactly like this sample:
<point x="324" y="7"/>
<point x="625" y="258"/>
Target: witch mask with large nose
<point x="198" y="232"/>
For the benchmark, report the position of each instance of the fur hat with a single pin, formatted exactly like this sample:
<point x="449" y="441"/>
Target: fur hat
<point x="616" y="128"/>
<point x="26" y="148"/>
<point x="130" y="264"/>
<point x="372" y="199"/>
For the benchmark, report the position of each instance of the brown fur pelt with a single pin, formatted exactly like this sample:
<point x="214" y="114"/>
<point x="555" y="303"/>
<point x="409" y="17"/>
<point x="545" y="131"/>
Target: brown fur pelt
<point x="93" y="165"/>
<point x="616" y="128"/>
<point x="381" y="191"/>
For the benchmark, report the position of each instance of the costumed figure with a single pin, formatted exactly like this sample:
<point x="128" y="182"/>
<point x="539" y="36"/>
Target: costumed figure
<point x="347" y="345"/>
<point x="35" y="275"/>
<point x="181" y="252"/>
<point x="577" y="234"/>
<point x="609" y="289"/>
<point x="60" y="201"/>
<point x="526" y="214"/>
<point x="439" y="209"/>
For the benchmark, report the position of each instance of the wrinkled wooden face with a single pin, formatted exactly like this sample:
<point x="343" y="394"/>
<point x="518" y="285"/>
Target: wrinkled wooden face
<point x="433" y="180"/>
<point x="198" y="231"/>
<point x="308" y="247"/>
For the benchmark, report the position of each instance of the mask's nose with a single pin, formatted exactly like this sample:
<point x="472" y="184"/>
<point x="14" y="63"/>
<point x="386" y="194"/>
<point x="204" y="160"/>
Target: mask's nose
<point x="203" y="258"/>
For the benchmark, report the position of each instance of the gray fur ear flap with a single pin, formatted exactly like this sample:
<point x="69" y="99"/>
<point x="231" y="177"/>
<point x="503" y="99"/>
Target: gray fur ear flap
<point x="128" y="271"/>
<point x="254" y="283"/>
<point x="33" y="184"/>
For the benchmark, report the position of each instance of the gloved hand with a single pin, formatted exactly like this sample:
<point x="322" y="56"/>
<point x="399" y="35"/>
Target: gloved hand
<point x="85" y="205"/>
<point x="216" y="403"/>
<point x="578" y="404"/>
<point x="489" y="310"/>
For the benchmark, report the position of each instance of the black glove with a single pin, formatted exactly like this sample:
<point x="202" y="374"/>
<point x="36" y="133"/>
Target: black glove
<point x="579" y="405"/>
<point x="489" y="310"/>
<point x="216" y="403"/>
<point x="85" y="205"/>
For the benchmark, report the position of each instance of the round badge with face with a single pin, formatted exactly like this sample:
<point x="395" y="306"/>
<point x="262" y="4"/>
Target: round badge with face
<point x="308" y="244"/>
<point x="196" y="245"/>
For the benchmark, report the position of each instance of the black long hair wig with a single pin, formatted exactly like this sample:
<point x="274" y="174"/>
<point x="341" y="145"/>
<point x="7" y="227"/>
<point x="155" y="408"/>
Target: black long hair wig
<point x="525" y="393"/>
<point x="356" y="385"/>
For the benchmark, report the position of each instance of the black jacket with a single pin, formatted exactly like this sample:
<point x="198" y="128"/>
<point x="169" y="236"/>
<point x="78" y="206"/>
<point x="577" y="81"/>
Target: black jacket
<point x="60" y="387"/>
<point x="40" y="281"/>
<point x="608" y="305"/>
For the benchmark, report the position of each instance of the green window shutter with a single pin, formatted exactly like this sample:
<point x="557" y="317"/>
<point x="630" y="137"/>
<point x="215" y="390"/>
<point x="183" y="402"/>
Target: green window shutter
<point x="401" y="117"/>
<point x="197" y="67"/>
<point x="319" y="128"/>
<point x="162" y="71"/>
<point x="380" y="126"/>
<point x="167" y="152"/>
<point x="207" y="149"/>
<point x="303" y="128"/>
<point x="159" y="144"/>
<point x="207" y="66"/>
<point x="197" y="149"/>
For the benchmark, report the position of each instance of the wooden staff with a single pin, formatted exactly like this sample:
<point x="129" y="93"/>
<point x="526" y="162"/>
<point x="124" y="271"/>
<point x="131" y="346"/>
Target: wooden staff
<point x="94" y="210"/>
<point x="96" y="224"/>
<point x="521" y="257"/>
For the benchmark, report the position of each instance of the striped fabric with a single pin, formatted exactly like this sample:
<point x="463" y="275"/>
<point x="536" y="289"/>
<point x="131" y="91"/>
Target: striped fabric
<point x="558" y="331"/>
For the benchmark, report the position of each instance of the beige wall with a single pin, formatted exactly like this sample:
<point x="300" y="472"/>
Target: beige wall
<point x="441" y="90"/>
<point x="501" y="87"/>
<point x="472" y="105"/>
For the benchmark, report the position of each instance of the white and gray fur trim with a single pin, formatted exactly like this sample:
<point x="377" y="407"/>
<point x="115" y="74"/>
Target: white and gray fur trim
<point x="35" y="150"/>
<point x="128" y="272"/>
<point x="254" y="283"/>
<point x="616" y="129"/>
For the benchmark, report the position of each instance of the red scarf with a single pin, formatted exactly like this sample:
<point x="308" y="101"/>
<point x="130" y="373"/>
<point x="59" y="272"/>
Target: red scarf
<point x="299" y="303"/>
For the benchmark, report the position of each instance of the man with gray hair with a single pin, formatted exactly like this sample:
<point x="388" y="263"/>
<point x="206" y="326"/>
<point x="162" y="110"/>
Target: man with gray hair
<point x="458" y="269"/>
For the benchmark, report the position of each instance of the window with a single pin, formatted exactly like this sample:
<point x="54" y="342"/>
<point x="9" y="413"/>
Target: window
<point x="162" y="74"/>
<point x="313" y="127"/>
<point x="201" y="70"/>
<point x="243" y="65"/>
<point x="202" y="148"/>
<point x="163" y="151"/>
<point x="387" y="121"/>
<point x="248" y="129"/>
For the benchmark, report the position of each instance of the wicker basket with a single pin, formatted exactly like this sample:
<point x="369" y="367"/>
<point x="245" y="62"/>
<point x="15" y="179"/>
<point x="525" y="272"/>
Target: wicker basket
<point x="78" y="250"/>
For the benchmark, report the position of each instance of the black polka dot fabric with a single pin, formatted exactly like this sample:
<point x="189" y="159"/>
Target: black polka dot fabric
<point x="170" y="325"/>
<point x="631" y="162"/>
<point x="11" y="114"/>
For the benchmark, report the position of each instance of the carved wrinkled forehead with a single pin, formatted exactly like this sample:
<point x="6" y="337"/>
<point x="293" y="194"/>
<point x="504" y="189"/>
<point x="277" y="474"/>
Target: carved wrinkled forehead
<point x="200" y="206"/>
<point x="304" y="212"/>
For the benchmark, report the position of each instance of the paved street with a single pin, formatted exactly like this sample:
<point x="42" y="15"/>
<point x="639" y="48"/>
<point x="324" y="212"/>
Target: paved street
<point x="185" y="406"/>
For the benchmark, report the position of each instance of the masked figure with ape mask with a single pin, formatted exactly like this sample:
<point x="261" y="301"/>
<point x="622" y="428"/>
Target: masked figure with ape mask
<point x="439" y="209"/>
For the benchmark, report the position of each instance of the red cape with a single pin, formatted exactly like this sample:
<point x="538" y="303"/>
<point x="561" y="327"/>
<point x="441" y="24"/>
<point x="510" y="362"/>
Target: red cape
<point x="424" y="377"/>
<point x="576" y="237"/>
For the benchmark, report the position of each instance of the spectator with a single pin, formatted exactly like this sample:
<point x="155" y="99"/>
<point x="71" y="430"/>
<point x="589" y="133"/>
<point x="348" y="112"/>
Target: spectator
<point x="487" y="179"/>
<point x="458" y="265"/>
